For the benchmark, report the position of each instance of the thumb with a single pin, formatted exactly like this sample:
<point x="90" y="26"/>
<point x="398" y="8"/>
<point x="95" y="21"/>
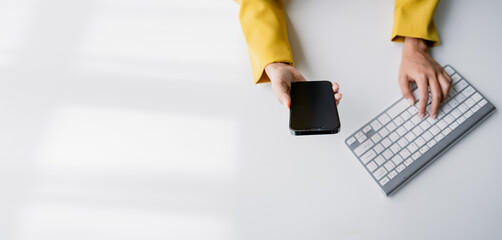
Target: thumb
<point x="285" y="100"/>
<point x="281" y="90"/>
<point x="405" y="89"/>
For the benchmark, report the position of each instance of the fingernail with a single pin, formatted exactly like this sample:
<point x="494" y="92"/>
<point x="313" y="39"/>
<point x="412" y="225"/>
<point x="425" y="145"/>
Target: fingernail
<point x="411" y="101"/>
<point x="434" y="116"/>
<point x="421" y="115"/>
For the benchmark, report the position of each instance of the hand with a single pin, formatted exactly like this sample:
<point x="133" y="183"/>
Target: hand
<point x="282" y="75"/>
<point x="417" y="65"/>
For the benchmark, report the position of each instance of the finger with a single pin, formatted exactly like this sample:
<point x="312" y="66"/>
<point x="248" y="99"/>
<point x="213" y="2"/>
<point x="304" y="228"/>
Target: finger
<point x="437" y="95"/>
<point x="282" y="92"/>
<point x="446" y="75"/>
<point x="336" y="87"/>
<point x="445" y="86"/>
<point x="286" y="100"/>
<point x="423" y="94"/>
<point x="404" y="84"/>
<point x="338" y="97"/>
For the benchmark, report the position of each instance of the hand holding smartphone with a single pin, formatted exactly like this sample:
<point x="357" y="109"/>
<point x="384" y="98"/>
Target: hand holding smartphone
<point x="313" y="108"/>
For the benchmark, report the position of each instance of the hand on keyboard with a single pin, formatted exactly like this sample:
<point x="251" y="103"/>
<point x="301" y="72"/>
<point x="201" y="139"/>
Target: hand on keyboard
<point x="418" y="66"/>
<point x="397" y="144"/>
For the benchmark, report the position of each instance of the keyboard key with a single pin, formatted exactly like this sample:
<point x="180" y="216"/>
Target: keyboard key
<point x="482" y="102"/>
<point x="383" y="132"/>
<point x="363" y="147"/>
<point x="456" y="113"/>
<point x="439" y="137"/>
<point x="424" y="125"/>
<point x="453" y="103"/>
<point x="367" y="129"/>
<point x="469" y="113"/>
<point x="446" y="108"/>
<point x="397" y="159"/>
<point x="360" y="136"/>
<point x="412" y="147"/>
<point x="401" y="131"/>
<point x="386" y="142"/>
<point x="405" y="153"/>
<point x="434" y="130"/>
<point x="460" y="97"/>
<point x="420" y="141"/>
<point x="416" y="155"/>
<point x="416" y="119"/>
<point x="376" y="138"/>
<point x="408" y="161"/>
<point x="350" y="141"/>
<point x="378" y="148"/>
<point x="424" y="149"/>
<point x="402" y="142"/>
<point x="442" y="124"/>
<point x="427" y="136"/>
<point x="391" y="126"/>
<point x="449" y="70"/>
<point x="405" y="115"/>
<point x="408" y="125"/>
<point x="400" y="168"/>
<point x="413" y="110"/>
<point x="460" y="85"/>
<point x="395" y="148"/>
<point x="392" y="174"/>
<point x="475" y="108"/>
<point x="389" y="165"/>
<point x="468" y="91"/>
<point x="431" y="143"/>
<point x="470" y="101"/>
<point x="455" y="77"/>
<point x="453" y="125"/>
<point x="400" y="106"/>
<point x="398" y="121"/>
<point x="418" y="130"/>
<point x="384" y="181"/>
<point x="387" y="154"/>
<point x="376" y="125"/>
<point x="368" y="156"/>
<point x="446" y="131"/>
<point x="371" y="166"/>
<point x="379" y="160"/>
<point x="410" y="136"/>
<point x="449" y="118"/>
<point x="393" y="137"/>
<point x="461" y="119"/>
<point x="476" y="97"/>
<point x="384" y="119"/>
<point x="379" y="173"/>
<point x="441" y="114"/>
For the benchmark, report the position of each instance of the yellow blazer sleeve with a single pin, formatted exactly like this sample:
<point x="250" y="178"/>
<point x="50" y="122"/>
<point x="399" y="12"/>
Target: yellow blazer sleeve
<point x="264" y="25"/>
<point x="413" y="18"/>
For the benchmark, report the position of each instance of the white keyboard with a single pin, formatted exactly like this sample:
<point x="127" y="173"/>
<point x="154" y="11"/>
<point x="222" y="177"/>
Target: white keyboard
<point x="397" y="144"/>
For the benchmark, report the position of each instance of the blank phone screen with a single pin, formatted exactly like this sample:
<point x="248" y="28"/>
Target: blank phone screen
<point x="313" y="108"/>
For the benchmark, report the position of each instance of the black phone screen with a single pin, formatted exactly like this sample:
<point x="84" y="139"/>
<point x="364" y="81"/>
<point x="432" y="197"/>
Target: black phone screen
<point x="313" y="108"/>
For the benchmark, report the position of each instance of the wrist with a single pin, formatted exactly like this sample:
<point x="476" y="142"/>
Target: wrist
<point x="412" y="45"/>
<point x="275" y="65"/>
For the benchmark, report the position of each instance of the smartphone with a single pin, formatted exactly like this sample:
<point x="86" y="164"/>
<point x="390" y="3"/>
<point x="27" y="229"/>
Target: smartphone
<point x="313" y="109"/>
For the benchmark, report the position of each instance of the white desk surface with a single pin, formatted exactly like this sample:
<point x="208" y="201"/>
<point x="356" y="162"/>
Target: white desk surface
<point x="138" y="119"/>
